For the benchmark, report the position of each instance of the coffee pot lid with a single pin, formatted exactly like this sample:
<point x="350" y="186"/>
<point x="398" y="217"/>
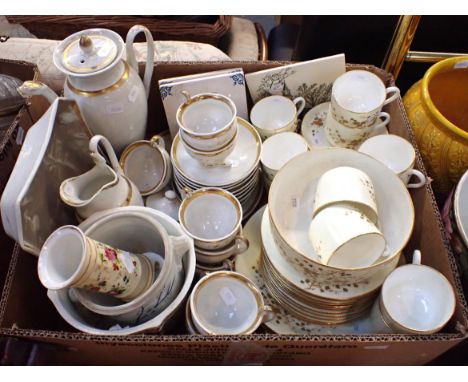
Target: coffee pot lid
<point x="89" y="51"/>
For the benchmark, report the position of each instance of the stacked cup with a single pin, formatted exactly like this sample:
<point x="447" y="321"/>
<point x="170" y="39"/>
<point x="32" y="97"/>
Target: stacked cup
<point x="344" y="230"/>
<point x="212" y="218"/>
<point x="357" y="99"/>
<point x="208" y="127"/>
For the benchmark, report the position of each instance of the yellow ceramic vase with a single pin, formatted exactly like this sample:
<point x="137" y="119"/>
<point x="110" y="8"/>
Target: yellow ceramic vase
<point x="443" y="144"/>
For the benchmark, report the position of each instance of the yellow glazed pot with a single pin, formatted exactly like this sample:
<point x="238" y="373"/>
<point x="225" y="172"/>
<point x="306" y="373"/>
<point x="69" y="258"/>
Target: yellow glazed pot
<point x="438" y="113"/>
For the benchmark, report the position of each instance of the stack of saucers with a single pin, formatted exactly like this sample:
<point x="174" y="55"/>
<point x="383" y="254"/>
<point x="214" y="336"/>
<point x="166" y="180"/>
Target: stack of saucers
<point x="238" y="174"/>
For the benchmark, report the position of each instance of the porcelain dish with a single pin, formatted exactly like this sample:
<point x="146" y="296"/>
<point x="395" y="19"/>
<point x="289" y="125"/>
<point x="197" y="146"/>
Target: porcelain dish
<point x="291" y="208"/>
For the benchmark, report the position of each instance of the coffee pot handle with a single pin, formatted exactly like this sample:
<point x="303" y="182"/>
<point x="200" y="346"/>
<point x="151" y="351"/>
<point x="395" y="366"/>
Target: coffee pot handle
<point x="98" y="158"/>
<point x="149" y="54"/>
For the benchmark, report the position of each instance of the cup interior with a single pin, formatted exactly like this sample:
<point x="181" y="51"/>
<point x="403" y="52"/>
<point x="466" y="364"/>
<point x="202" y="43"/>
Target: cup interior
<point x="207" y="116"/>
<point x="273" y="112"/>
<point x="225" y="305"/>
<point x="211" y="216"/>
<point x="63" y="252"/>
<point x="359" y="91"/>
<point x="145" y="167"/>
<point x="395" y="152"/>
<point x="418" y="297"/>
<point x="280" y="148"/>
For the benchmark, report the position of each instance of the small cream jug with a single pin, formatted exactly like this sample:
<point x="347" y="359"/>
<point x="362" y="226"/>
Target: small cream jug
<point x="101" y="188"/>
<point x="108" y="90"/>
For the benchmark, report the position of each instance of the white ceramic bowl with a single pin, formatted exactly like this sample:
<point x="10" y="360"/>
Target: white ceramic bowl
<point x="89" y="322"/>
<point x="291" y="200"/>
<point x="145" y="235"/>
<point x="460" y="207"/>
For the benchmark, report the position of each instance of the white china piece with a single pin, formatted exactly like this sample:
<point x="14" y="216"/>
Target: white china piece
<point x="107" y="89"/>
<point x="346" y="185"/>
<point x="147" y="164"/>
<point x="165" y="202"/>
<point x="414" y="299"/>
<point x="276" y="114"/>
<point x="397" y="154"/>
<point x="239" y="174"/>
<point x="152" y="238"/>
<point x="103" y="187"/>
<point x="345" y="238"/>
<point x="278" y="150"/>
<point x="207" y="121"/>
<point x="228" y="82"/>
<point x="227" y="303"/>
<point x="248" y="264"/>
<point x="357" y="98"/>
<point x="206" y="257"/>
<point x="290" y="209"/>
<point x="313" y="127"/>
<point x="460" y="207"/>
<point x="69" y="258"/>
<point x="31" y="208"/>
<point x="89" y="322"/>
<point x="212" y="217"/>
<point x="340" y="135"/>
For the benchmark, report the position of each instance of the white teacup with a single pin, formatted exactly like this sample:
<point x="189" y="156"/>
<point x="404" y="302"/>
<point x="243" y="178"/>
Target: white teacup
<point x="227" y="303"/>
<point x="342" y="136"/>
<point x="208" y="121"/>
<point x="397" y="154"/>
<point x="358" y="97"/>
<point x="346" y="185"/>
<point x="345" y="238"/>
<point x="278" y="150"/>
<point x="211" y="217"/>
<point x="276" y="114"/>
<point x="211" y="158"/>
<point x="414" y="299"/>
<point x="239" y="246"/>
<point x="147" y="164"/>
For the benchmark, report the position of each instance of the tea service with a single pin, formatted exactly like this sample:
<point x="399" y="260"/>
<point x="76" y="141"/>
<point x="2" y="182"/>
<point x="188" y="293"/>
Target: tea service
<point x="324" y="253"/>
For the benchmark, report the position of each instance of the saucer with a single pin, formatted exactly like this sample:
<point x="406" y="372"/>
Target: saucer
<point x="248" y="264"/>
<point x="313" y="127"/>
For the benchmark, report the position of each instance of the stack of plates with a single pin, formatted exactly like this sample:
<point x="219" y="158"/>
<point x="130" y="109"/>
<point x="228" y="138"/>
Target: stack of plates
<point x="240" y="175"/>
<point x="300" y="294"/>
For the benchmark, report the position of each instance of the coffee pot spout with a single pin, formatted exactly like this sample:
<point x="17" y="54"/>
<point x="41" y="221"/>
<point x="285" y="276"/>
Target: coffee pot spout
<point x="33" y="88"/>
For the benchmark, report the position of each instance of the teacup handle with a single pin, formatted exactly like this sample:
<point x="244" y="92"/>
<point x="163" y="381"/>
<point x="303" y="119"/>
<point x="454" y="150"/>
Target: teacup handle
<point x="422" y="179"/>
<point x="301" y="102"/>
<point x="98" y="158"/>
<point x="186" y="193"/>
<point x="386" y="119"/>
<point x="416" y="257"/>
<point x="186" y="95"/>
<point x="149" y="54"/>
<point x="394" y="96"/>
<point x="157" y="140"/>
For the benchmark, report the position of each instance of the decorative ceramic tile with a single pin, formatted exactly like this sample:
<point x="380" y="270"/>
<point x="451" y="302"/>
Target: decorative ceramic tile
<point x="312" y="80"/>
<point x="229" y="82"/>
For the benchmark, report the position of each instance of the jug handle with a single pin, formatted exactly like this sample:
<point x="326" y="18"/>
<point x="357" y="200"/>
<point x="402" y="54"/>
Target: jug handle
<point x="98" y="158"/>
<point x="33" y="88"/>
<point x="149" y="54"/>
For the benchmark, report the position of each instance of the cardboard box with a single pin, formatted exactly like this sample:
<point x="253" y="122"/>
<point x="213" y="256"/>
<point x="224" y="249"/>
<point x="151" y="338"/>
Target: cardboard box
<point x="26" y="313"/>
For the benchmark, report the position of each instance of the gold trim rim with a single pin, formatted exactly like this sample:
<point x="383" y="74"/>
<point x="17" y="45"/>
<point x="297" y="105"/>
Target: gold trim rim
<point x="245" y="281"/>
<point x="94" y="93"/>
